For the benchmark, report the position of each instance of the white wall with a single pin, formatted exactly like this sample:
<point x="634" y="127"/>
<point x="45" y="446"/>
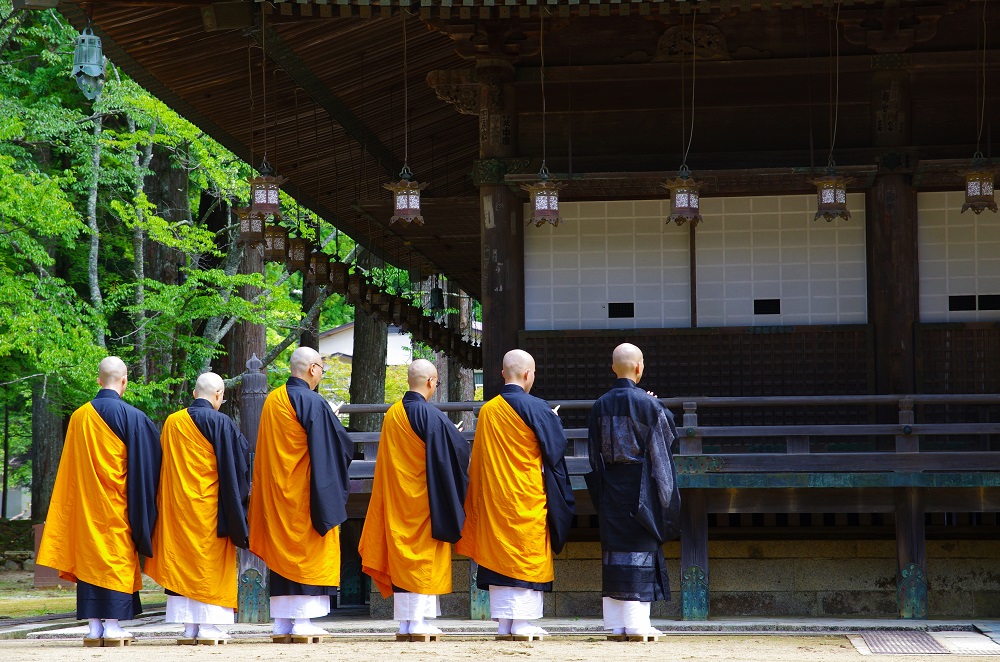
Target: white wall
<point x="763" y="247"/>
<point x="769" y="247"/>
<point x="399" y="347"/>
<point x="607" y="252"/>
<point x="959" y="254"/>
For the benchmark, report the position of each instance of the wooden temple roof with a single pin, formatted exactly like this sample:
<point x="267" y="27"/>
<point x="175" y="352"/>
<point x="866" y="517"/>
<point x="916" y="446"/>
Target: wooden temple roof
<point x="618" y="79"/>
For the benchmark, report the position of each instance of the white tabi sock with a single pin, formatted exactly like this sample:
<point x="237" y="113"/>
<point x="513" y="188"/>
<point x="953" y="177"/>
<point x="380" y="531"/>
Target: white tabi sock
<point x="304" y="627"/>
<point x="522" y="627"/>
<point x="190" y="630"/>
<point x="282" y="626"/>
<point x="423" y="627"/>
<point x="209" y="631"/>
<point x="96" y="628"/>
<point x="114" y="631"/>
<point x="504" y="625"/>
<point x="404" y="627"/>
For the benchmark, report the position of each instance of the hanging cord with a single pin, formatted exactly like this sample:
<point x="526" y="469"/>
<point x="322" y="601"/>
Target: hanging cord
<point x="319" y="170"/>
<point x="252" y="110"/>
<point x="544" y="172"/>
<point x="406" y="105"/>
<point x="835" y="84"/>
<point x="263" y="77"/>
<point x="684" y="90"/>
<point x="982" y="101"/>
<point x="694" y="59"/>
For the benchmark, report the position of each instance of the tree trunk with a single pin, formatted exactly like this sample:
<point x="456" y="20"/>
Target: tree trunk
<point x="461" y="383"/>
<point x="140" y="163"/>
<point x="47" y="435"/>
<point x="96" y="298"/>
<point x="368" y="364"/>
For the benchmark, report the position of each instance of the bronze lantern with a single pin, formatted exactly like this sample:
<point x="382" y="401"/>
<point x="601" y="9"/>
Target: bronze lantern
<point x="831" y="196"/>
<point x="544" y="199"/>
<point x="319" y="268"/>
<point x="298" y="255"/>
<point x="979" y="187"/>
<point x="251" y="226"/>
<point x="406" y="196"/>
<point x="685" y="198"/>
<point x="265" y="190"/>
<point x="275" y="244"/>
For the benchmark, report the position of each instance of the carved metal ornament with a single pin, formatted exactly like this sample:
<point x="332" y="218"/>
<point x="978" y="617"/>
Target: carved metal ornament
<point x="911" y="591"/>
<point x="694" y="594"/>
<point x="698" y="464"/>
<point x="254" y="603"/>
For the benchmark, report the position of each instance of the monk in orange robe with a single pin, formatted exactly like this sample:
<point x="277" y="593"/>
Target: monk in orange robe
<point x="299" y="496"/>
<point x="416" y="508"/>
<point x="520" y="503"/>
<point x="204" y="487"/>
<point x="103" y="508"/>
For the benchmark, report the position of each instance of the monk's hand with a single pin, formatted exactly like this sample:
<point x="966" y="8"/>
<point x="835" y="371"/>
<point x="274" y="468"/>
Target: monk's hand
<point x="651" y="394"/>
<point x="555" y="410"/>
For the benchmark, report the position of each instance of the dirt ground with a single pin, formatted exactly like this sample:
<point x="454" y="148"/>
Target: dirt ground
<point x="754" y="648"/>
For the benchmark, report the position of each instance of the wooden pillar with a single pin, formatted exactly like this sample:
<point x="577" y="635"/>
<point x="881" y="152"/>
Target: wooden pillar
<point x="502" y="220"/>
<point x="893" y="304"/>
<point x="247" y="344"/>
<point x="694" y="531"/>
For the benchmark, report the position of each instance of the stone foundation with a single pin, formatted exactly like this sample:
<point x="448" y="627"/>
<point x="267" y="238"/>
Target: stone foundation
<point x="805" y="578"/>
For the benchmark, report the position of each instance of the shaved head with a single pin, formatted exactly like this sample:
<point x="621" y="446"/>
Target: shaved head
<point x="626" y="362"/>
<point x="301" y="366"/>
<point x="519" y="369"/>
<point x="301" y="359"/>
<point x="208" y="385"/>
<point x="419" y="372"/>
<point x="112" y="374"/>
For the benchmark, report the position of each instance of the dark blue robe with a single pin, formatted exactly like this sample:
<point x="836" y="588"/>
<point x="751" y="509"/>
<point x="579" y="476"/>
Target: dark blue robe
<point x="634" y="489"/>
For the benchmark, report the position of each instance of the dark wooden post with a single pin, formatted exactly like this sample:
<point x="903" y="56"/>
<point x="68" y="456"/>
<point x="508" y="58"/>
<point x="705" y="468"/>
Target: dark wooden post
<point x="911" y="544"/>
<point x="246" y="343"/>
<point x="253" y="599"/>
<point x="501" y="212"/>
<point x="893" y="302"/>
<point x="694" y="529"/>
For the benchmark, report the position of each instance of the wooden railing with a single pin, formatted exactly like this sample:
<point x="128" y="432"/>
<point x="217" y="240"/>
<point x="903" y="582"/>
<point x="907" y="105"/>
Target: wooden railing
<point x="903" y="480"/>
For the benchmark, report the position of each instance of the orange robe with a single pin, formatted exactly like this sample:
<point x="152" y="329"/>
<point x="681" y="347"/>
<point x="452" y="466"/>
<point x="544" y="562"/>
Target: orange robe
<point x="282" y="531"/>
<point x="398" y="544"/>
<point x="506" y="510"/>
<point x="189" y="557"/>
<point x="87" y="534"/>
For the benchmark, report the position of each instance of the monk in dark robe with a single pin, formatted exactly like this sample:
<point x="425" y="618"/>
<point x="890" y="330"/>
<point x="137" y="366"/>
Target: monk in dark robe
<point x="299" y="496"/>
<point x="520" y="504"/>
<point x="417" y="504"/>
<point x="634" y="489"/>
<point x="204" y="488"/>
<point x="103" y="508"/>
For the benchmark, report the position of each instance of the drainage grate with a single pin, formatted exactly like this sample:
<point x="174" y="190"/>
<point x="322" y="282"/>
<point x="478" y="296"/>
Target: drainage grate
<point x="907" y="642"/>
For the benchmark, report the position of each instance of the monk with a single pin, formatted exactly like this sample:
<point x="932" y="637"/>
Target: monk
<point x="103" y="508"/>
<point x="634" y="489"/>
<point x="520" y="503"/>
<point x="299" y="496"/>
<point x="204" y="488"/>
<point x="417" y="504"/>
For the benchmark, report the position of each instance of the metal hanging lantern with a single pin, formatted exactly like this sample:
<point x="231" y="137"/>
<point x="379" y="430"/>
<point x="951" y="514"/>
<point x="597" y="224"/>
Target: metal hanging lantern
<point x="544" y="199"/>
<point x="88" y="64"/>
<point x="436" y="300"/>
<point x="338" y="276"/>
<point x="319" y="268"/>
<point x="276" y="244"/>
<point x="298" y="255"/>
<point x="979" y="187"/>
<point x="265" y="190"/>
<point x="831" y="196"/>
<point x="406" y="194"/>
<point x="251" y="226"/>
<point x="685" y="199"/>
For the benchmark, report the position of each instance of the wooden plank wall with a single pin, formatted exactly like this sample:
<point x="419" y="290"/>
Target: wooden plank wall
<point x="732" y="361"/>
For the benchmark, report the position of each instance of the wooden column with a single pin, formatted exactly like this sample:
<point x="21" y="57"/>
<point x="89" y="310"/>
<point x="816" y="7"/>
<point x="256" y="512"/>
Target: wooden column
<point x="694" y="530"/>
<point x="247" y="344"/>
<point x="893" y="303"/>
<point x="502" y="220"/>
